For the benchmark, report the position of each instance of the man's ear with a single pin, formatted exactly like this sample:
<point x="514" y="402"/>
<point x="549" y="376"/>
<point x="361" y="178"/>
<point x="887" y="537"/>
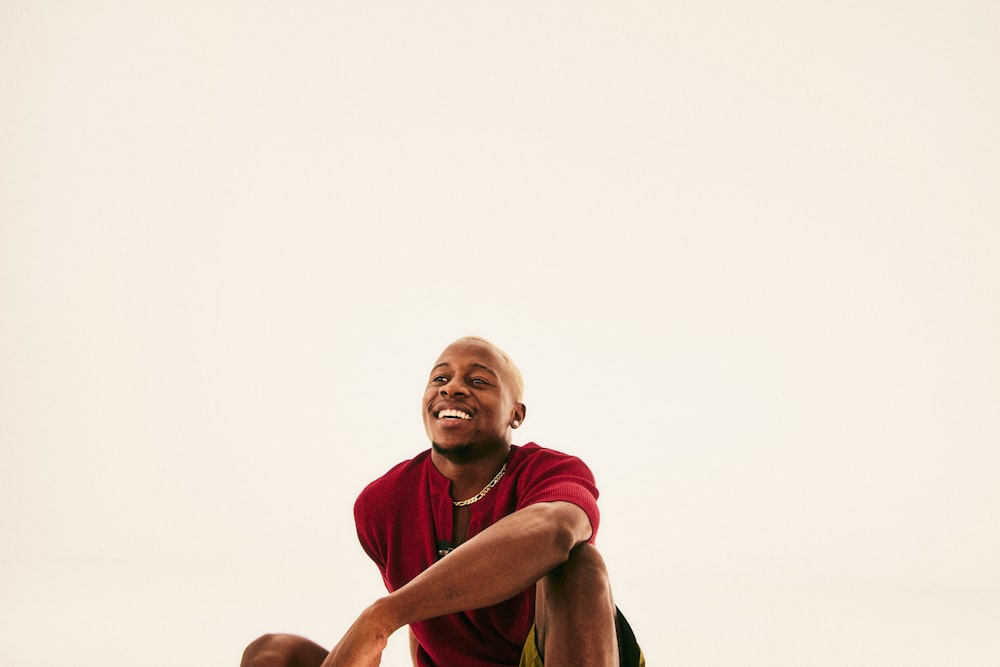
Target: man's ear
<point x="520" y="410"/>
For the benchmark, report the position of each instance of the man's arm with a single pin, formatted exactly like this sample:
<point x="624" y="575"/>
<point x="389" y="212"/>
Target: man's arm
<point x="522" y="547"/>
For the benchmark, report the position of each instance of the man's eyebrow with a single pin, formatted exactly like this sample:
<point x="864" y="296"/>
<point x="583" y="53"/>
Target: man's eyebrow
<point x="487" y="369"/>
<point x="474" y="364"/>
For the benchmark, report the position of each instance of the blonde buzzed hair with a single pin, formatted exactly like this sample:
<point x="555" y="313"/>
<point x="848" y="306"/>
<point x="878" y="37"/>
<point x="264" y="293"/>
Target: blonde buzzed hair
<point x="512" y="369"/>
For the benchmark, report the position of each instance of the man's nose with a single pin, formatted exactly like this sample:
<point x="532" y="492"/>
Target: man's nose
<point x="454" y="387"/>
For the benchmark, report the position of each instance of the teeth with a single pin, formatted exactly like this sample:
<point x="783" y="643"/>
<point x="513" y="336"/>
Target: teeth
<point x="454" y="413"/>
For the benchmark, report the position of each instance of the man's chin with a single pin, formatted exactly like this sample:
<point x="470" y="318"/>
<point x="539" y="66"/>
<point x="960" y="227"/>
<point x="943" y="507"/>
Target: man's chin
<point x="458" y="451"/>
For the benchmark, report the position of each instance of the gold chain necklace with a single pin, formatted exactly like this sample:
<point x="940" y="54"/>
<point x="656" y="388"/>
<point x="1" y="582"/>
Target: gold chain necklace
<point x="479" y="496"/>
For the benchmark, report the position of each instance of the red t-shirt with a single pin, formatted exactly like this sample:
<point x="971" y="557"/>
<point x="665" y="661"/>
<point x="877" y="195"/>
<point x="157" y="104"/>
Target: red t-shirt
<point x="403" y="515"/>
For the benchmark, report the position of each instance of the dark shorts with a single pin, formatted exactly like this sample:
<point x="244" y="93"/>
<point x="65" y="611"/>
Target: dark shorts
<point x="629" y="653"/>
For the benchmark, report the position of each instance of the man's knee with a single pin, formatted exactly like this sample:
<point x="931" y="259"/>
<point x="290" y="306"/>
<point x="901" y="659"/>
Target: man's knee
<point x="585" y="568"/>
<point x="266" y="651"/>
<point x="587" y="556"/>
<point x="581" y="584"/>
<point x="275" y="650"/>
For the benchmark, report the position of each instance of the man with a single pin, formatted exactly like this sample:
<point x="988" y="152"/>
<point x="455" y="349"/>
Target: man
<point x="486" y="548"/>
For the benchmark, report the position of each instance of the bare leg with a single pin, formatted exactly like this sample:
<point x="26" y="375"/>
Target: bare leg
<point x="283" y="651"/>
<point x="575" y="613"/>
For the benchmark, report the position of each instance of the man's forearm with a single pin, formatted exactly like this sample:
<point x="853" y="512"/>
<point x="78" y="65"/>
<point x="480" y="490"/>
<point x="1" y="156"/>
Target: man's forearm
<point x="503" y="560"/>
<point x="496" y="564"/>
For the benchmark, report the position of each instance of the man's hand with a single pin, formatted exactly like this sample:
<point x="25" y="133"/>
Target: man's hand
<point x="363" y="643"/>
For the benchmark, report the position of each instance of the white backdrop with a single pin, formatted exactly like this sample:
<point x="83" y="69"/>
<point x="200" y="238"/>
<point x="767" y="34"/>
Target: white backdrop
<point x="746" y="254"/>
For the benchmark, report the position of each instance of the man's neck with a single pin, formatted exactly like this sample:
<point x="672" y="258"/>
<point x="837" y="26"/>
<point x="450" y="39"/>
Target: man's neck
<point x="469" y="469"/>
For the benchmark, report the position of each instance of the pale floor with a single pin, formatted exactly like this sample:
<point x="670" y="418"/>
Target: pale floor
<point x="88" y="615"/>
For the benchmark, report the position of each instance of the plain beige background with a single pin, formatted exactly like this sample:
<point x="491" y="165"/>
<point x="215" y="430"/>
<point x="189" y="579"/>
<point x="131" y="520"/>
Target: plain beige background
<point x="746" y="253"/>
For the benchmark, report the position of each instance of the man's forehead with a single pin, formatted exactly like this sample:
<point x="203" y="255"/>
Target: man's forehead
<point x="482" y="355"/>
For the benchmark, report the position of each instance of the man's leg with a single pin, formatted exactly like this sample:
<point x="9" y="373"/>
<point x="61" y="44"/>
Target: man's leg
<point x="283" y="651"/>
<point x="575" y="613"/>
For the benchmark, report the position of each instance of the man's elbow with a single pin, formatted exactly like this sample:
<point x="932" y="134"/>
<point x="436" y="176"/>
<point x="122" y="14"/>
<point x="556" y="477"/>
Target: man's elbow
<point x="565" y="526"/>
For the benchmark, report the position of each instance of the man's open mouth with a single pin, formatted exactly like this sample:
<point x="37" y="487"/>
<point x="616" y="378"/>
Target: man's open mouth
<point x="453" y="414"/>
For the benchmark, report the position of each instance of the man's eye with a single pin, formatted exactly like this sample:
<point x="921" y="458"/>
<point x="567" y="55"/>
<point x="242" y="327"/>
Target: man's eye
<point x="478" y="381"/>
<point x="439" y="378"/>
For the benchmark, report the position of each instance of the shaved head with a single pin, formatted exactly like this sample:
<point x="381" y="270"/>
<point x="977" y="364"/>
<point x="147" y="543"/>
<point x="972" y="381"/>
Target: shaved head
<point x="513" y="373"/>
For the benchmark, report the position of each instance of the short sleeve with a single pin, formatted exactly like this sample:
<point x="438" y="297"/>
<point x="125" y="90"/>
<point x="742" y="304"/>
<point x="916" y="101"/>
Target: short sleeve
<point x="551" y="476"/>
<point x="365" y="527"/>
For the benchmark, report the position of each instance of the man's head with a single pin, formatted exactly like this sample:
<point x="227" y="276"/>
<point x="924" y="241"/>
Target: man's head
<point x="473" y="398"/>
<point x="514" y="373"/>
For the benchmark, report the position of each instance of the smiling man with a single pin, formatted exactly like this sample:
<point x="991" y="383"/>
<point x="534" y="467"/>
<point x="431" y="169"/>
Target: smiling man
<point x="486" y="548"/>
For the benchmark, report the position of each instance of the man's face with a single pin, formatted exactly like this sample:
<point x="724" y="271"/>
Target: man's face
<point x="469" y="400"/>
